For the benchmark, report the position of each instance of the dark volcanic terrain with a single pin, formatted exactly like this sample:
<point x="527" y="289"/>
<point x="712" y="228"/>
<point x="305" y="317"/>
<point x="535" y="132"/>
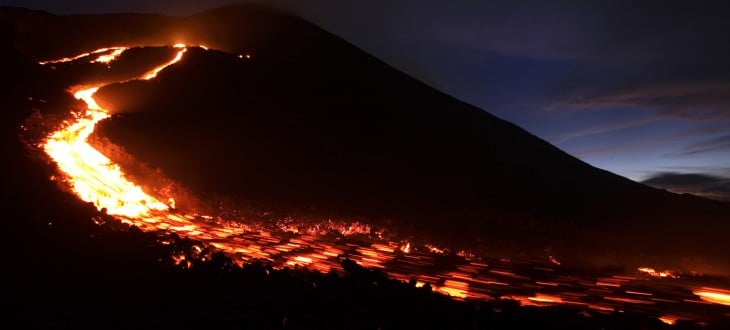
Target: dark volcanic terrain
<point x="286" y="119"/>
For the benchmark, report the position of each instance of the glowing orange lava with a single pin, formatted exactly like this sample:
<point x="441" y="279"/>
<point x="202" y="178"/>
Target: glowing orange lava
<point x="92" y="175"/>
<point x="108" y="58"/>
<point x="654" y="273"/>
<point x="153" y="73"/>
<point x="669" y="319"/>
<point x="102" y="59"/>
<point x="714" y="295"/>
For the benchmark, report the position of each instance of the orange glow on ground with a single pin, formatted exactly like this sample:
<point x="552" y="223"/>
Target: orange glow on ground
<point x="455" y="289"/>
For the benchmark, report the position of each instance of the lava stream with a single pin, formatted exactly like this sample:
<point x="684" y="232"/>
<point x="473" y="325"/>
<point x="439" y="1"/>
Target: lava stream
<point x="92" y="175"/>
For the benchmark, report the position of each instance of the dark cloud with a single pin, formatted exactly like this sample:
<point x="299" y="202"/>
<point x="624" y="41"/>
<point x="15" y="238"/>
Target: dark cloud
<point x="705" y="185"/>
<point x="721" y="143"/>
<point x="670" y="57"/>
<point x="626" y="31"/>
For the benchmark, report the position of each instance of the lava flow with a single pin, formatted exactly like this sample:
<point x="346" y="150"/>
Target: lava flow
<point x="95" y="178"/>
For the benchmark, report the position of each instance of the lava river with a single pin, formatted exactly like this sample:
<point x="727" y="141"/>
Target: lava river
<point x="95" y="178"/>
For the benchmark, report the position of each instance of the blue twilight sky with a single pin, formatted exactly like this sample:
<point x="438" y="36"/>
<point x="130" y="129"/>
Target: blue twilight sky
<point x="640" y="88"/>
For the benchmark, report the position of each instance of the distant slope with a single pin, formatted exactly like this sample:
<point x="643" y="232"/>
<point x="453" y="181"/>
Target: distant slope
<point x="42" y="35"/>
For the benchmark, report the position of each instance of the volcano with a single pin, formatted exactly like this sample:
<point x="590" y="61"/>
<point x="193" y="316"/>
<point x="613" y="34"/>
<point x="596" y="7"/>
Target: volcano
<point x="293" y="118"/>
<point x="275" y="115"/>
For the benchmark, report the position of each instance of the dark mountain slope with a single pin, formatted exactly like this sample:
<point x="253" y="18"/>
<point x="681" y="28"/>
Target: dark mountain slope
<point x="366" y="131"/>
<point x="41" y="35"/>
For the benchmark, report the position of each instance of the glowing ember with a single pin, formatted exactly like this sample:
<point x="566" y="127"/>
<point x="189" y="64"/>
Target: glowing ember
<point x="539" y="299"/>
<point x="553" y="260"/>
<point x="714" y="295"/>
<point x="654" y="273"/>
<point x="547" y="299"/>
<point x="455" y="288"/>
<point x="108" y="58"/>
<point x="669" y="319"/>
<point x="406" y="248"/>
<point x="435" y="249"/>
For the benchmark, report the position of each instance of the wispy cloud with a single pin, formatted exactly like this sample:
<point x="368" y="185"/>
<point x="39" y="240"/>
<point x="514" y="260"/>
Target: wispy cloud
<point x="708" y="145"/>
<point x="685" y="100"/>
<point x="623" y="147"/>
<point x="612" y="127"/>
<point x="721" y="143"/>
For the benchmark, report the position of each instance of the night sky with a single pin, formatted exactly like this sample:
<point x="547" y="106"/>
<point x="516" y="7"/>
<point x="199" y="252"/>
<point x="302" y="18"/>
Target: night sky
<point x="639" y="89"/>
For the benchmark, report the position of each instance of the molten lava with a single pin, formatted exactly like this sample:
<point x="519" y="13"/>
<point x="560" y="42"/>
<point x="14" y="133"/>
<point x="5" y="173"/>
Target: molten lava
<point x="94" y="178"/>
<point x="92" y="175"/>
<point x="101" y="59"/>
<point x="669" y="319"/>
<point x="108" y="58"/>
<point x="153" y="73"/>
<point x="714" y="295"/>
<point x="653" y="272"/>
